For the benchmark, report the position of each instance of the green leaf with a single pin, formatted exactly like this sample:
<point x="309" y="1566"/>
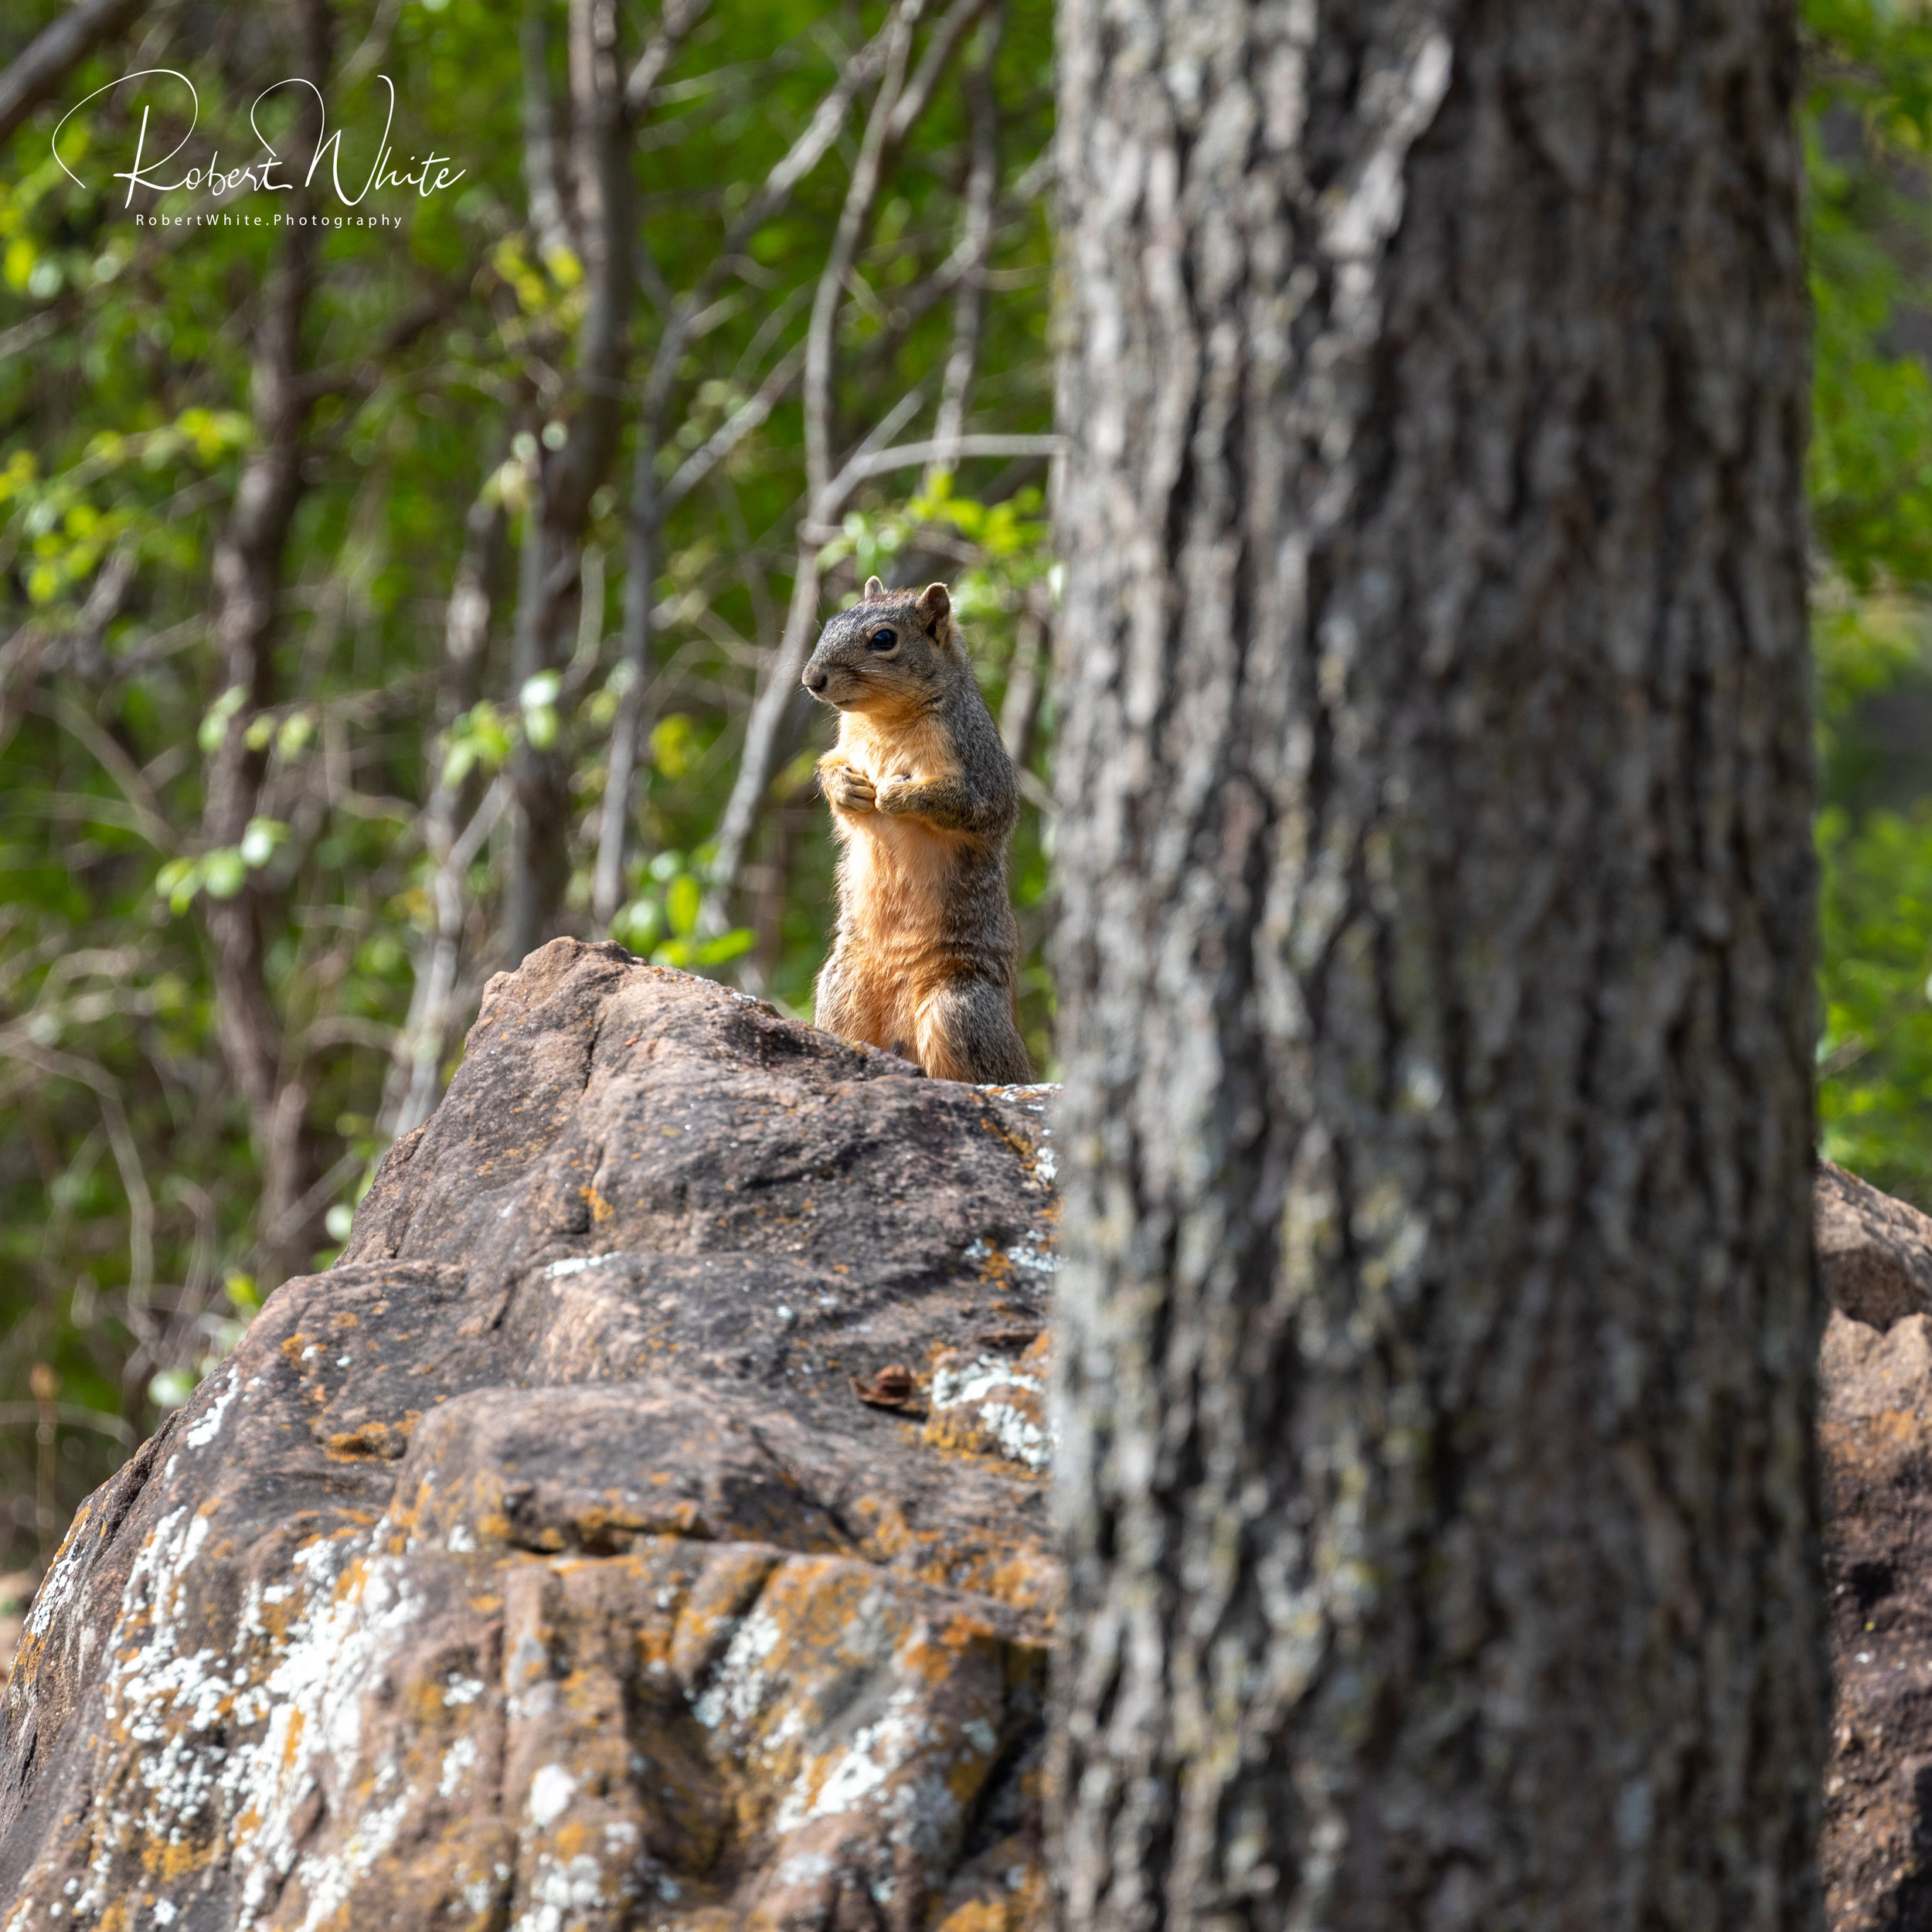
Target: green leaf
<point x="214" y="726"/>
<point x="726" y="945"/>
<point x="683" y="899"/>
<point x="224" y="873"/>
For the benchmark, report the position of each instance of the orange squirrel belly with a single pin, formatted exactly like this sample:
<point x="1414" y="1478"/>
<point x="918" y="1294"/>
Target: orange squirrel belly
<point x="893" y="873"/>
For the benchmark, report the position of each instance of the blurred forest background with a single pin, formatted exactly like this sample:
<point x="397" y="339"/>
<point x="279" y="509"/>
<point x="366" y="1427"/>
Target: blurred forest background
<point x="374" y="604"/>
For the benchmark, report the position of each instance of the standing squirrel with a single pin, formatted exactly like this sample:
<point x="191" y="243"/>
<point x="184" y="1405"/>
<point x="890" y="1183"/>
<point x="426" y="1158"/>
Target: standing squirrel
<point x="923" y="800"/>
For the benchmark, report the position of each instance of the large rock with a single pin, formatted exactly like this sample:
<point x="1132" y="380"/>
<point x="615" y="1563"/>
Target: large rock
<point x="540" y="1565"/>
<point x="1875" y="1431"/>
<point x="1876" y="1252"/>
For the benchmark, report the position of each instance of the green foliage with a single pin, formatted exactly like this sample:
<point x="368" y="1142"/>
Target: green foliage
<point x="130" y="1186"/>
<point x="1868" y="136"/>
<point x="131" y="1178"/>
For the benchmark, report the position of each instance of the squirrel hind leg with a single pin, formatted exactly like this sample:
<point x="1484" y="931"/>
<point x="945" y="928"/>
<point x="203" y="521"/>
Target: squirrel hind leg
<point x="838" y="1005"/>
<point x="964" y="1031"/>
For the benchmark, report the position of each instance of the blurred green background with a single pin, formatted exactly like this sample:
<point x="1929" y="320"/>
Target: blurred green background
<point x="432" y="384"/>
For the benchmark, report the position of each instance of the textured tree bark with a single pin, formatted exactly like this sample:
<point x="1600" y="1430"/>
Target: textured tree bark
<point x="1439" y="1312"/>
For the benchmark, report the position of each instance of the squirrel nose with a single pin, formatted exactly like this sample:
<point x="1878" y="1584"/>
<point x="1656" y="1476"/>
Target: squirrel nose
<point x="817" y="678"/>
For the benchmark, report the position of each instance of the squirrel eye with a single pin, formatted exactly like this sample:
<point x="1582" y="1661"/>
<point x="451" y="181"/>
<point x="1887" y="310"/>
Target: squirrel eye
<point x="882" y="640"/>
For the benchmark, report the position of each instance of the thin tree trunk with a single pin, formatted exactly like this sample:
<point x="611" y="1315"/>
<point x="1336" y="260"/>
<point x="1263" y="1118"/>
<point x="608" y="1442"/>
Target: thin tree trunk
<point x="38" y="70"/>
<point x="1438" y="1308"/>
<point x="896" y="111"/>
<point x="410" y="1087"/>
<point x="649" y="505"/>
<point x="246" y="571"/>
<point x="556" y="522"/>
<point x="975" y="243"/>
<point x="632" y="728"/>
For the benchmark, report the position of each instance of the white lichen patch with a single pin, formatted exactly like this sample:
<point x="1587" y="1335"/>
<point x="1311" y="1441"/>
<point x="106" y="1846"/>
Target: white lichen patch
<point x="551" y="1791"/>
<point x="737" y="1689"/>
<point x="1006" y="1400"/>
<point x="58" y="1587"/>
<point x="561" y="1889"/>
<point x="558" y="1270"/>
<point x="232" y="1747"/>
<point x="209" y="1427"/>
<point x="851" y="1778"/>
<point x="458" y="1761"/>
<point x="1031" y="1254"/>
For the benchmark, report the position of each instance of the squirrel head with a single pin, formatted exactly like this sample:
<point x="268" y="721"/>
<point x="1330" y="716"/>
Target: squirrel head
<point x="892" y="652"/>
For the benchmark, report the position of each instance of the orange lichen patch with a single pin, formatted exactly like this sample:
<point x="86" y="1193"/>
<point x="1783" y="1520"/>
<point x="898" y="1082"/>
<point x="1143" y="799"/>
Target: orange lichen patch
<point x="1020" y="1570"/>
<point x="176" y="1857"/>
<point x="1018" y="1143"/>
<point x="1026" y="1576"/>
<point x="346" y="1318"/>
<point x="600" y="1209"/>
<point x="387" y="1441"/>
<point x="888" y="1536"/>
<point x="1002" y="1890"/>
<point x="294" y="1347"/>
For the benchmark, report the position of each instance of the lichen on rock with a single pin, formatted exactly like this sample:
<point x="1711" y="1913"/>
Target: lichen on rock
<point x="537" y="1567"/>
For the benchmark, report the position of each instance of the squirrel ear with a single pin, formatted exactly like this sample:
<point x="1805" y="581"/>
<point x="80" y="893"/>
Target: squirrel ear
<point x="873" y="589"/>
<point x="935" y="607"/>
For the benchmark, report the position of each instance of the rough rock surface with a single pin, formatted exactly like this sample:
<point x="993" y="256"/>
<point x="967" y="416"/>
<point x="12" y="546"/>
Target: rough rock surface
<point x="540" y="1565"/>
<point x="1876" y="1253"/>
<point x="1875" y="1428"/>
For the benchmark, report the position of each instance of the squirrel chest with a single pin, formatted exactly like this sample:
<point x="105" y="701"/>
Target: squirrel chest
<point x="896" y="871"/>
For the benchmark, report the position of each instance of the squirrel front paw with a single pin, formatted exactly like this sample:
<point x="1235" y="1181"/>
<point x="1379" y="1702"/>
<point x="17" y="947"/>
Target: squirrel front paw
<point x="897" y="794"/>
<point x="852" y="790"/>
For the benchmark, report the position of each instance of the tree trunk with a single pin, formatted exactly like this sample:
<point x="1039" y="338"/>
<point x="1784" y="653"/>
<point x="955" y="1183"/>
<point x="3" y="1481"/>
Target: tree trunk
<point x="246" y="573"/>
<point x="549" y="584"/>
<point x="1439" y="1312"/>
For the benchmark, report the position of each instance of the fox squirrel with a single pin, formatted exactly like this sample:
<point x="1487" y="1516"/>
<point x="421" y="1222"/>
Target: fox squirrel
<point x="923" y="800"/>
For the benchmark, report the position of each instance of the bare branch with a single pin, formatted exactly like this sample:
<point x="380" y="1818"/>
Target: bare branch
<point x="939" y="51"/>
<point x="975" y="245"/>
<point x="16" y="1414"/>
<point x="420" y="1045"/>
<point x="540" y="172"/>
<point x="15" y="1044"/>
<point x="298" y="1214"/>
<point x="149" y="819"/>
<point x="54" y="52"/>
<point x="911" y="455"/>
<point x="680" y="16"/>
<point x="722" y="440"/>
<point x="860" y="193"/>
